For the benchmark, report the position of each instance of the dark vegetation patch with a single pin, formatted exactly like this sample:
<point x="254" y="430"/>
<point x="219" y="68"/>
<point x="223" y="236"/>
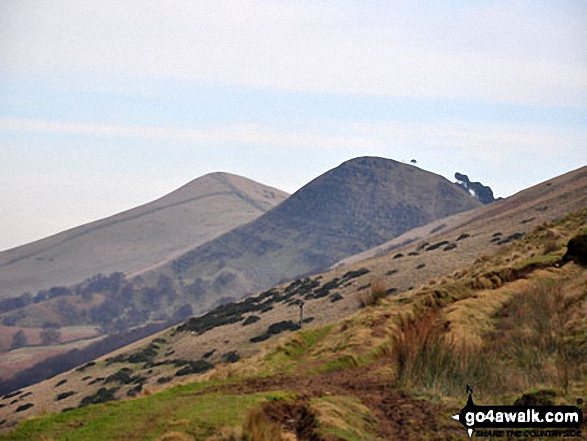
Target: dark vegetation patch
<point x="511" y="237"/>
<point x="134" y="391"/>
<point x="144" y="355"/>
<point x="121" y="376"/>
<point x="230" y="357"/>
<point x="87" y="377"/>
<point x="251" y="319"/>
<point x="450" y="246"/>
<point x="499" y="233"/>
<point x="544" y="397"/>
<point x="391" y="291"/>
<point x="422" y="246"/>
<point x="413" y="253"/>
<point x="437" y="245"/>
<point x="11" y="395"/>
<point x="194" y="367"/>
<point x="120" y="358"/>
<point x="103" y="395"/>
<point x="308" y="320"/>
<point x="159" y="340"/>
<point x="279" y="327"/>
<point x="60" y="383"/>
<point x="234" y="312"/>
<point x="276" y="328"/>
<point x="364" y="287"/>
<point x="163" y="380"/>
<point x="85" y="366"/>
<point x="422" y="265"/>
<point x="357" y="273"/>
<point x="391" y="272"/>
<point x="463" y="236"/>
<point x="325" y="289"/>
<point x="209" y="354"/>
<point x="24" y="407"/>
<point x="398" y="255"/>
<point x="25" y="395"/>
<point x="525" y="221"/>
<point x="577" y="250"/>
<point x="335" y="297"/>
<point x="65" y="395"/>
<point x="96" y="380"/>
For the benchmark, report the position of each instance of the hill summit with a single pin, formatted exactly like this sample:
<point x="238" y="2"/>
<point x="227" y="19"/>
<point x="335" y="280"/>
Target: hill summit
<point x="140" y="238"/>
<point x="361" y="203"/>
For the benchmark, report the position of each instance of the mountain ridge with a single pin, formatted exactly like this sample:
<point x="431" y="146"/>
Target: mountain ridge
<point x="351" y="207"/>
<point x="249" y="202"/>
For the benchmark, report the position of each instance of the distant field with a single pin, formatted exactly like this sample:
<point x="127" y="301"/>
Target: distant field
<point x="12" y="362"/>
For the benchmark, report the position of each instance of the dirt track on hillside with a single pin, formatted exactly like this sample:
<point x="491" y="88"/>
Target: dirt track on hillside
<point x="398" y="416"/>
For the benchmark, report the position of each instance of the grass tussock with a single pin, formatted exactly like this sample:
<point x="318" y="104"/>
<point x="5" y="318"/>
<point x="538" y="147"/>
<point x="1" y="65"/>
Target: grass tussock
<point x="539" y="338"/>
<point x="344" y="418"/>
<point x="373" y="296"/>
<point x="426" y="358"/>
<point x="258" y="427"/>
<point x="542" y="332"/>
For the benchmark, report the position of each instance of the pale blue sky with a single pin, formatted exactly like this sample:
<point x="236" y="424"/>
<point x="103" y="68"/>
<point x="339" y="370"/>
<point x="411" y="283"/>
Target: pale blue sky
<point x="107" y="105"/>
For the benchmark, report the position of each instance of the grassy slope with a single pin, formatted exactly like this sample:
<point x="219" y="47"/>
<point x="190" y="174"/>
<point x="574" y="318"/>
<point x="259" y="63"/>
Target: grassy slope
<point x="140" y="238"/>
<point x="513" y="322"/>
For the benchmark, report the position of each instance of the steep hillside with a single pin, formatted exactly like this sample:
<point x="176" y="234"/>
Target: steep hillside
<point x="394" y="369"/>
<point x="543" y="202"/>
<point x="362" y="203"/>
<point x="138" y="239"/>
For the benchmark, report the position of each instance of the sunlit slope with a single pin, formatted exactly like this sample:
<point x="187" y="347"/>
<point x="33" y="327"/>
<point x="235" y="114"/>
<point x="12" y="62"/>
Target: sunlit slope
<point x="138" y="239"/>
<point x="511" y="324"/>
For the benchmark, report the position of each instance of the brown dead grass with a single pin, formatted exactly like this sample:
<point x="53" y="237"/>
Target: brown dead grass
<point x="373" y="296"/>
<point x="258" y="427"/>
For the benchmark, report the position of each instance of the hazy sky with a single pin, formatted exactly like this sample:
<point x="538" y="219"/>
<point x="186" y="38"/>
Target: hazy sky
<point x="106" y="105"/>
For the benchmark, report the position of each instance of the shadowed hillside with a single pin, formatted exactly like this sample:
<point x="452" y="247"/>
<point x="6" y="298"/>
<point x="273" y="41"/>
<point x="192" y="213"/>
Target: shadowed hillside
<point x="360" y="204"/>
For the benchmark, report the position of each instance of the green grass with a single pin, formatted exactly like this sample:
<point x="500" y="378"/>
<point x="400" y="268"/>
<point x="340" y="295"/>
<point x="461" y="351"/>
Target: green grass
<point x="183" y="409"/>
<point x="296" y="347"/>
<point x="346" y="361"/>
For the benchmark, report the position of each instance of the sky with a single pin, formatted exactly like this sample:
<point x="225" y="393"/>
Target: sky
<point x="108" y="105"/>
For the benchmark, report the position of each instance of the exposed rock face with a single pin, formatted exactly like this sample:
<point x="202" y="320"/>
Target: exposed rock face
<point x="360" y="204"/>
<point x="480" y="191"/>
